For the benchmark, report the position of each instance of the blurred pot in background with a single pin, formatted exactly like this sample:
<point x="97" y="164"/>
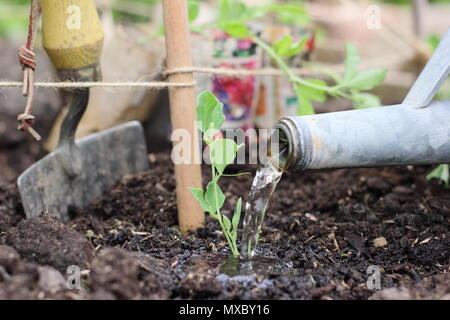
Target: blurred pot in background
<point x="277" y="98"/>
<point x="239" y="94"/>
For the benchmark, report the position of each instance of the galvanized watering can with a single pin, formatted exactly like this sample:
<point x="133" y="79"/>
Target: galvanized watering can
<point x="414" y="132"/>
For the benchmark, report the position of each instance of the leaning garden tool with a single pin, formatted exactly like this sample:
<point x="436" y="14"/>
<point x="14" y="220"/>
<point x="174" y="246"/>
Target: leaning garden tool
<point x="76" y="172"/>
<point x="414" y="132"/>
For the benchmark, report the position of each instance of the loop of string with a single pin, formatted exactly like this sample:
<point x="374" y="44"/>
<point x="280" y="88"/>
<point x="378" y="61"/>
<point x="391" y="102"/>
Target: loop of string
<point x="27" y="60"/>
<point x="73" y="85"/>
<point x="238" y="72"/>
<point x="163" y="84"/>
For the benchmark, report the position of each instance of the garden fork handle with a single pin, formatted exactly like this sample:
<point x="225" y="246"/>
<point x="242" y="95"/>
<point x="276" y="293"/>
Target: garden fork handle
<point x="432" y="76"/>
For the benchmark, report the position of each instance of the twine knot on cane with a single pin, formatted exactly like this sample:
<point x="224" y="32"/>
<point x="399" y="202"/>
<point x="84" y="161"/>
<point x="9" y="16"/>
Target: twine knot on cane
<point x="26" y="59"/>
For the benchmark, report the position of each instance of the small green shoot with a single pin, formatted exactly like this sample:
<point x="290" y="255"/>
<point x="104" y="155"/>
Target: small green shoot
<point x="222" y="152"/>
<point x="441" y="172"/>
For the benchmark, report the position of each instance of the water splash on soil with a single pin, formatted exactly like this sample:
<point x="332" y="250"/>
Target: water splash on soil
<point x="238" y="268"/>
<point x="263" y="186"/>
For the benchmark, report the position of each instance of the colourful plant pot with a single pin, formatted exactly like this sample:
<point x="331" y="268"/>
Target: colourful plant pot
<point x="278" y="99"/>
<point x="239" y="94"/>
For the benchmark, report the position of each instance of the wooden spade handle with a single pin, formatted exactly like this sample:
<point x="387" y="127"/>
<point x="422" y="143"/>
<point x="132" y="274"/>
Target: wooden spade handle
<point x="73" y="36"/>
<point x="73" y="39"/>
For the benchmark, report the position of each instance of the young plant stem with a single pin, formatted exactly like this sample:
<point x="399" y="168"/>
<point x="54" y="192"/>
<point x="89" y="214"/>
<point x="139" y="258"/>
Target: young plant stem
<point x="288" y="72"/>
<point x="233" y="248"/>
<point x="334" y="91"/>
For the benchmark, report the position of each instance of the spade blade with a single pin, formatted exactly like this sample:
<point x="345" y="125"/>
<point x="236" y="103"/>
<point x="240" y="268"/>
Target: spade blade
<point x="105" y="158"/>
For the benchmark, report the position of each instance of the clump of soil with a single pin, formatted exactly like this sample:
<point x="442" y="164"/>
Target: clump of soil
<point x="24" y="280"/>
<point x="124" y="276"/>
<point x="47" y="241"/>
<point x="115" y="274"/>
<point x="428" y="288"/>
<point x="322" y="231"/>
<point x="11" y="212"/>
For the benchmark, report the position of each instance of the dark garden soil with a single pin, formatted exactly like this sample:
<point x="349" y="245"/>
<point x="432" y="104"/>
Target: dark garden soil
<point x="322" y="231"/>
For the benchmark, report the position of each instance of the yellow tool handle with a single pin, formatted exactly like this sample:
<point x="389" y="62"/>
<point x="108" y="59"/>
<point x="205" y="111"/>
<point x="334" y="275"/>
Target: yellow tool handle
<point x="73" y="36"/>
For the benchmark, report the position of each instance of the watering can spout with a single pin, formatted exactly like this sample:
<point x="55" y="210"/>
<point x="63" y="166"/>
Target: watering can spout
<point x="414" y="132"/>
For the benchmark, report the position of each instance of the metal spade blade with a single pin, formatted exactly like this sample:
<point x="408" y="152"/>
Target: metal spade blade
<point x="101" y="160"/>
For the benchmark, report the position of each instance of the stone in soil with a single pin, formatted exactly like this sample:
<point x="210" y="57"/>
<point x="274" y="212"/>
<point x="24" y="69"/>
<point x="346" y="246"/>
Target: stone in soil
<point x="24" y="280"/>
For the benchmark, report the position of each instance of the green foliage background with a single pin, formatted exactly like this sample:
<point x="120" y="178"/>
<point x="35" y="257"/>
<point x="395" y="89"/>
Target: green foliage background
<point x="13" y="14"/>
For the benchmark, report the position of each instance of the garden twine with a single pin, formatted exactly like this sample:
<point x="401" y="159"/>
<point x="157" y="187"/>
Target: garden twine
<point x="26" y="57"/>
<point x="161" y="84"/>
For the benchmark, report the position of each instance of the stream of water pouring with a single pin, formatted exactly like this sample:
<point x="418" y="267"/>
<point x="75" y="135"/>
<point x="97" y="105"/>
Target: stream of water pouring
<point x="264" y="184"/>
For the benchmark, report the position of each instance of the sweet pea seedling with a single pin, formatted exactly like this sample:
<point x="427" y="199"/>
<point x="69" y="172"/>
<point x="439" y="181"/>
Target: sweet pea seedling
<point x="222" y="152"/>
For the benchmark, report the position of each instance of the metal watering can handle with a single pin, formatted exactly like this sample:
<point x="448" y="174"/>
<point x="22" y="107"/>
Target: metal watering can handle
<point x="432" y="77"/>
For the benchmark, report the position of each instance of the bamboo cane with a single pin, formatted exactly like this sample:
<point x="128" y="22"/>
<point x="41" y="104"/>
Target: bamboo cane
<point x="182" y="111"/>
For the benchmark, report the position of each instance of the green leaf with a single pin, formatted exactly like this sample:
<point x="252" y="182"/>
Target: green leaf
<point x="367" y="79"/>
<point x="222" y="153"/>
<point x="193" y="10"/>
<point x="297" y="47"/>
<point x="227" y="223"/>
<point x="198" y="29"/>
<point x="306" y="94"/>
<point x="237" y="30"/>
<point x="292" y="12"/>
<point x="336" y="77"/>
<point x="232" y="10"/>
<point x="214" y="196"/>
<point x="286" y="48"/>
<point x="351" y="62"/>
<point x="282" y="45"/>
<point x="433" y="41"/>
<point x="209" y="112"/>
<point x="224" y="9"/>
<point x="198" y="194"/>
<point x="238" y="11"/>
<point x="288" y="8"/>
<point x="313" y="93"/>
<point x="365" y="100"/>
<point x="305" y="107"/>
<point x="255" y="12"/>
<point x="236" y="217"/>
<point x="441" y="172"/>
<point x="445" y="174"/>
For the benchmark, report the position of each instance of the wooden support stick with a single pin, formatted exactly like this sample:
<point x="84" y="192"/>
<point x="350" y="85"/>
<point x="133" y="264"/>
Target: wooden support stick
<point x="182" y="112"/>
